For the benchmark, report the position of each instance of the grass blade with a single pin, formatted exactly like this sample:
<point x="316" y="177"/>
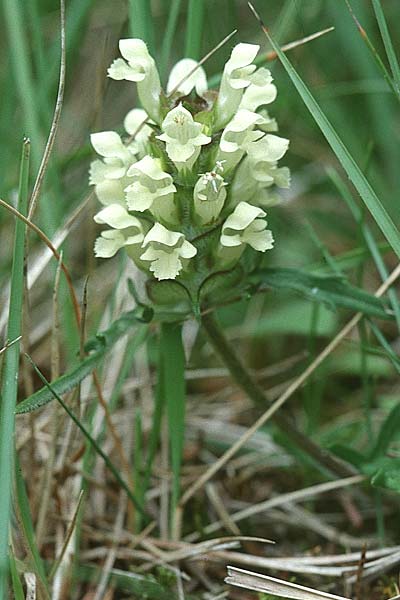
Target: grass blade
<point x="387" y="40"/>
<point x="141" y="22"/>
<point x="9" y="388"/>
<point x="169" y="35"/>
<point x="374" y="53"/>
<point x="19" y="54"/>
<point x="194" y="29"/>
<point x="354" y="172"/>
<point x="173" y="369"/>
<point x="25" y="518"/>
<point x="17" y="588"/>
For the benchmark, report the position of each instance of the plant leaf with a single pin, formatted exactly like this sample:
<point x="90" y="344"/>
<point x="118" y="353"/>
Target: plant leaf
<point x="101" y="344"/>
<point x="333" y="291"/>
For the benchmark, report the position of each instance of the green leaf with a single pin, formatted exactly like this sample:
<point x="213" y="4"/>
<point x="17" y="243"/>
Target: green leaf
<point x="369" y="197"/>
<point x="348" y="454"/>
<point x="388" y="431"/>
<point x="388" y="476"/>
<point x="101" y="344"/>
<point x="333" y="291"/>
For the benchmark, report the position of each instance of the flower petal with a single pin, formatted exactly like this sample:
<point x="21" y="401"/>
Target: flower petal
<point x="178" y="75"/>
<point x="108" y="243"/>
<point x="117" y="217"/>
<point x="108" y="144"/>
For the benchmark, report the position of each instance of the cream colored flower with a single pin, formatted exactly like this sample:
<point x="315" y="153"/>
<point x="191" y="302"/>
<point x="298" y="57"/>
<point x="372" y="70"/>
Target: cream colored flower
<point x="261" y="90"/>
<point x="244" y="226"/>
<point x="152" y="189"/>
<point x="140" y="67"/>
<point x="135" y="123"/>
<point x="180" y="82"/>
<point x="235" y="78"/>
<point x="167" y="251"/>
<point x="237" y="137"/>
<point x="126" y="230"/>
<point x="209" y="195"/>
<point x="183" y="137"/>
<point x="263" y="158"/>
<point x="109" y="175"/>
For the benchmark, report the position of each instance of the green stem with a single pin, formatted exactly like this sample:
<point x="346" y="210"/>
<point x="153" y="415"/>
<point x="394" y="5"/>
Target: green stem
<point x="252" y="389"/>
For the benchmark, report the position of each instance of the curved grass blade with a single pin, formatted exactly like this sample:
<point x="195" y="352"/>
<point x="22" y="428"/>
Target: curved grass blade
<point x="89" y="438"/>
<point x="9" y="384"/>
<point x="369" y="197"/>
<point x="333" y="291"/>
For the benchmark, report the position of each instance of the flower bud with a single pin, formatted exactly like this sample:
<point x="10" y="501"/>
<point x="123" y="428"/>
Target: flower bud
<point x="209" y="195"/>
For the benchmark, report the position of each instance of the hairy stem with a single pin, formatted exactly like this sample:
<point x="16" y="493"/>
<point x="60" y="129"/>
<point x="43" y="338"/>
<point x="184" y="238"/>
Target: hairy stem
<point x="254" y="391"/>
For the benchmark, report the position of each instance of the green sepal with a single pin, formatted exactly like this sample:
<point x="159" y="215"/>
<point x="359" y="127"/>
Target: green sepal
<point x="167" y="292"/>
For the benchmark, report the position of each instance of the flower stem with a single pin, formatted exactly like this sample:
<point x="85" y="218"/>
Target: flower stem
<point x="253" y="390"/>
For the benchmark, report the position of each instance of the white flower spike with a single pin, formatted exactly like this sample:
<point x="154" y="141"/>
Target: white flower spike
<point x="152" y="189"/>
<point x="183" y="137"/>
<point x="154" y="198"/>
<point x="179" y="81"/>
<point x="235" y="78"/>
<point x="141" y="68"/>
<point x="167" y="251"/>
